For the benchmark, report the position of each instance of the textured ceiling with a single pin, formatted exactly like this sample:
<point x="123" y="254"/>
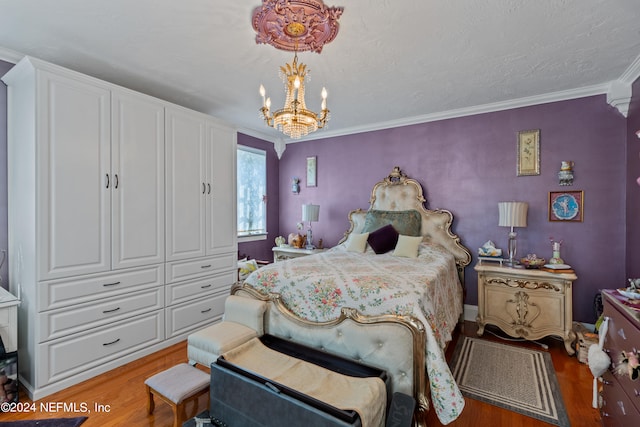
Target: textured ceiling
<point x="393" y="61"/>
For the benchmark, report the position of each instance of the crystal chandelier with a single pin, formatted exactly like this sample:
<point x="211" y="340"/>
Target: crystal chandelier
<point x="294" y="119"/>
<point x="295" y="25"/>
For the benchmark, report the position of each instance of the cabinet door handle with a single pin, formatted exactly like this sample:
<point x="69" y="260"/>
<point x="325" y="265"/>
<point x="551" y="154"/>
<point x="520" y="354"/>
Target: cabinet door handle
<point x="205" y="266"/>
<point x="116" y="179"/>
<point x="111" y="311"/>
<point x="205" y="311"/>
<point x="107" y="186"/>
<point x="111" y="343"/>
<point x="205" y="286"/>
<point x="204" y="188"/>
<point x="111" y="284"/>
<point x="208" y="188"/>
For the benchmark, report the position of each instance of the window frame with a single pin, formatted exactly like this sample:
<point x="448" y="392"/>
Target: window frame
<point x="261" y="235"/>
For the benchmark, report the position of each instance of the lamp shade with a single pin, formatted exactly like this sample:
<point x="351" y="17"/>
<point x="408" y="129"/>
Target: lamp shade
<point x="310" y="212"/>
<point x="512" y="214"/>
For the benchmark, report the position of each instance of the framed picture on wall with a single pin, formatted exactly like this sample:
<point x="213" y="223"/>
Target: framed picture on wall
<point x="529" y="152"/>
<point x="566" y="206"/>
<point x="312" y="172"/>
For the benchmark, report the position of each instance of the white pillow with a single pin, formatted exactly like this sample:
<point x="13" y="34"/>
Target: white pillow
<point x="357" y="242"/>
<point x="407" y="246"/>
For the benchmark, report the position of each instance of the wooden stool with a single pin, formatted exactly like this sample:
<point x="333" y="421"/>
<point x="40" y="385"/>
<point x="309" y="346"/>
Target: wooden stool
<point x="177" y="386"/>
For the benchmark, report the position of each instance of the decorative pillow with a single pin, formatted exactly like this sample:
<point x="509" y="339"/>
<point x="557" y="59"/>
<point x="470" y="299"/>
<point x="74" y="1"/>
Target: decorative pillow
<point x="407" y="223"/>
<point x="383" y="239"/>
<point x="245" y="268"/>
<point x="407" y="246"/>
<point x="357" y="242"/>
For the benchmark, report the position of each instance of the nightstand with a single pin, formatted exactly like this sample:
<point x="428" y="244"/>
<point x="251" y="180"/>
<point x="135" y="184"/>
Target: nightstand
<point x="9" y="320"/>
<point x="526" y="303"/>
<point x="280" y="253"/>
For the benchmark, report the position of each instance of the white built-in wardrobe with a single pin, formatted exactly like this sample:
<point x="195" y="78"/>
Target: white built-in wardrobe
<point x="122" y="230"/>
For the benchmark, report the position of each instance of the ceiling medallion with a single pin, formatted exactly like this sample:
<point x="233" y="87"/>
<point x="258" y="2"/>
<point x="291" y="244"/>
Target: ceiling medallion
<point x="296" y="25"/>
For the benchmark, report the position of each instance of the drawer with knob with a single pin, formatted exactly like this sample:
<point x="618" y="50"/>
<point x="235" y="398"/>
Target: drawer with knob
<point x="620" y="393"/>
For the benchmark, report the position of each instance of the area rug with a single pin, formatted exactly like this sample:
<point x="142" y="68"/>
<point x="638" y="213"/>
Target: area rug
<point x="518" y="379"/>
<point x="48" y="422"/>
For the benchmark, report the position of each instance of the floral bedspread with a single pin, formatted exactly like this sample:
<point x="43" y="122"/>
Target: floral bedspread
<point x="316" y="287"/>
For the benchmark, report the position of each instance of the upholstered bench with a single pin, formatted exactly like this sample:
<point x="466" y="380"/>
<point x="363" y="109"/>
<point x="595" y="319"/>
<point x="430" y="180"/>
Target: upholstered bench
<point x="177" y="386"/>
<point x="243" y="320"/>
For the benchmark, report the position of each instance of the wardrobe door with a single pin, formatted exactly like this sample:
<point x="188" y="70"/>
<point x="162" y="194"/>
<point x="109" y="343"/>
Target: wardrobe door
<point x="186" y="184"/>
<point x="137" y="168"/>
<point x="73" y="176"/>
<point x="221" y="185"/>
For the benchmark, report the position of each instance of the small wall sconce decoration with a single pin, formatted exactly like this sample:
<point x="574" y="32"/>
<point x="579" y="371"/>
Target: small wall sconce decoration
<point x="565" y="176"/>
<point x="295" y="185"/>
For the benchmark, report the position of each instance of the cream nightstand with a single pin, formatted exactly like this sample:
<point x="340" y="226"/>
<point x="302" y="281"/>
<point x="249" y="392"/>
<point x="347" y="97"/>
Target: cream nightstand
<point x="280" y="253"/>
<point x="528" y="304"/>
<point x="9" y="320"/>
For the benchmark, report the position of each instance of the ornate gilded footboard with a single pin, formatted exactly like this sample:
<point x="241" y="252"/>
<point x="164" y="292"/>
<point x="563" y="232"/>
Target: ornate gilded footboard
<point x="394" y="343"/>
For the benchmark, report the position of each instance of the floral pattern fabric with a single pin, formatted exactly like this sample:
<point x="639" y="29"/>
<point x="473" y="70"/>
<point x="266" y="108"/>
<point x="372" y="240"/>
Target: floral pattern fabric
<point x="316" y="287"/>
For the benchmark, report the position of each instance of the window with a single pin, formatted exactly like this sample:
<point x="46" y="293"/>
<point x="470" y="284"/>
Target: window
<point x="252" y="191"/>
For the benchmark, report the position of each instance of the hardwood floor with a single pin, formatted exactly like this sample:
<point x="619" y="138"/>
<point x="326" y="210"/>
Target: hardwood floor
<point x="121" y="393"/>
<point x="574" y="378"/>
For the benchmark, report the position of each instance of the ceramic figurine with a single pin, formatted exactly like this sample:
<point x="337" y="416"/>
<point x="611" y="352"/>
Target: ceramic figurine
<point x="565" y="176"/>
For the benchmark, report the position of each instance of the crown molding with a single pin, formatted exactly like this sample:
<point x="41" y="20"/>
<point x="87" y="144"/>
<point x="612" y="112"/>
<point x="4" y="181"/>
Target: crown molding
<point x="9" y="55"/>
<point x="621" y="90"/>
<point x="632" y="73"/>
<point x="471" y="111"/>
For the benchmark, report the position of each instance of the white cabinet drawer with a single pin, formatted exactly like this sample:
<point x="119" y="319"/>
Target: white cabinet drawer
<point x="77" y="353"/>
<point x="65" y="321"/>
<point x="193" y="315"/>
<point x="185" y="291"/>
<point x="194" y="268"/>
<point x="62" y="293"/>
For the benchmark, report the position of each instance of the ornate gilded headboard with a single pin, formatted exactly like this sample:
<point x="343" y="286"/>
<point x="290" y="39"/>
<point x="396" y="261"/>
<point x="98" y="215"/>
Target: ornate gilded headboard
<point x="397" y="192"/>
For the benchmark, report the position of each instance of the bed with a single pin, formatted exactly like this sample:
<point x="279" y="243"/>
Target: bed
<point x="393" y="302"/>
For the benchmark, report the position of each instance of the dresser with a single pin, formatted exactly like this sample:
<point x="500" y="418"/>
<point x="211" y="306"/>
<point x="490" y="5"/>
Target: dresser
<point x="121" y="222"/>
<point x="526" y="303"/>
<point x="620" y="394"/>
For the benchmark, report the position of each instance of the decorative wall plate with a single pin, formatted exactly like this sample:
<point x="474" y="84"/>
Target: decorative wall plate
<point x="566" y="205"/>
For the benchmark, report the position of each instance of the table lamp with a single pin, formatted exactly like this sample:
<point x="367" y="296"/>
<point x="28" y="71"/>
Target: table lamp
<point x="310" y="213"/>
<point x="512" y="214"/>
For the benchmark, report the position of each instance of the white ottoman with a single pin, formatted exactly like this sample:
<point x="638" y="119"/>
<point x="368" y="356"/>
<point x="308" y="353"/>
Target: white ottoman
<point x="177" y="386"/>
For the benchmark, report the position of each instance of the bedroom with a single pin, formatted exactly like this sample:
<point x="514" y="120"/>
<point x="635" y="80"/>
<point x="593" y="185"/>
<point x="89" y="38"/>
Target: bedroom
<point x="469" y="166"/>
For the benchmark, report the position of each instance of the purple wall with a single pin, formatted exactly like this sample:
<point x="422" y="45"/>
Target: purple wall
<point x="261" y="249"/>
<point x="4" y="276"/>
<point x="633" y="190"/>
<point x="467" y="165"/>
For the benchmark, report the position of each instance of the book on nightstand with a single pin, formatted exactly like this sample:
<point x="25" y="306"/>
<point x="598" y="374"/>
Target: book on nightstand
<point x="557" y="268"/>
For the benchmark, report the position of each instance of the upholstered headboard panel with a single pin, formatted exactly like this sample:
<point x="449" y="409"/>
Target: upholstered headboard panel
<point x="397" y="192"/>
